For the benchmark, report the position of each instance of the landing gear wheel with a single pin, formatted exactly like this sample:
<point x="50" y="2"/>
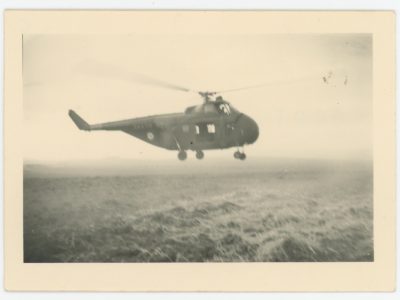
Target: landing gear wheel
<point x="199" y="154"/>
<point x="237" y="155"/>
<point x="182" y="155"/>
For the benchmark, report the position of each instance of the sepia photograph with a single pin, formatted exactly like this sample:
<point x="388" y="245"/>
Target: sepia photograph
<point x="218" y="151"/>
<point x="198" y="148"/>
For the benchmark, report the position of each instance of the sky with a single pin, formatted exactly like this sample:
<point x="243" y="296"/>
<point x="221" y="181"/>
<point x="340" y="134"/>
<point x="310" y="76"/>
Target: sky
<point x="298" y="114"/>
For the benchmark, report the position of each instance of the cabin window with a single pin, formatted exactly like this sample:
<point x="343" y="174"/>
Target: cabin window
<point x="205" y="131"/>
<point x="211" y="128"/>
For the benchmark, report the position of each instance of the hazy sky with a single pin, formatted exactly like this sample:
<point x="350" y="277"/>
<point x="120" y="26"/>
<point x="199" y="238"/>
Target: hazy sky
<point x="298" y="114"/>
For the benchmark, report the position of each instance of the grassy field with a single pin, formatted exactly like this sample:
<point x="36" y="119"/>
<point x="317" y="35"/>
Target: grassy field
<point x="260" y="212"/>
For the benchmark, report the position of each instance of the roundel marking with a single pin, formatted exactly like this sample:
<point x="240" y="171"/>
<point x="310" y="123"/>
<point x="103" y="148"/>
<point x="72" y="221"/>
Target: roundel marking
<point x="150" y="136"/>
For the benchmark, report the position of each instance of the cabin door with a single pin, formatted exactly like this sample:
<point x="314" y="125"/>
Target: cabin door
<point x="205" y="131"/>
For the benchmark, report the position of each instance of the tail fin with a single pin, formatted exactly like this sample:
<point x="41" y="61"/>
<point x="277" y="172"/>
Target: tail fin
<point x="79" y="122"/>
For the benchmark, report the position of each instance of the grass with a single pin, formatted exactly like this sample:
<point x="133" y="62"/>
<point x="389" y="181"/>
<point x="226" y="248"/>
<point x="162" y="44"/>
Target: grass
<point x="279" y="215"/>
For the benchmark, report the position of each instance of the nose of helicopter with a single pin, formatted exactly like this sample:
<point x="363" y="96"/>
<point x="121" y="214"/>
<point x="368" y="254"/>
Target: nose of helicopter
<point x="250" y="129"/>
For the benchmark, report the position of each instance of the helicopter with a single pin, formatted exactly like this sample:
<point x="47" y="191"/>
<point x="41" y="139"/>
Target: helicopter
<point x="214" y="124"/>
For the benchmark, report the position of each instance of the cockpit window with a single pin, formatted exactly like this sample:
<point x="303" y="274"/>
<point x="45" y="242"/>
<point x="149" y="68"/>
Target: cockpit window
<point x="224" y="108"/>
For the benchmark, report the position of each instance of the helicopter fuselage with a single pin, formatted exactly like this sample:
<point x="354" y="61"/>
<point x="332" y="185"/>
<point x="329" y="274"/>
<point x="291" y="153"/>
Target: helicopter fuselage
<point x="212" y="125"/>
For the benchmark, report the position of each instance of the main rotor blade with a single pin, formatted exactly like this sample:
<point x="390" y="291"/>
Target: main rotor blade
<point x="93" y="68"/>
<point x="282" y="82"/>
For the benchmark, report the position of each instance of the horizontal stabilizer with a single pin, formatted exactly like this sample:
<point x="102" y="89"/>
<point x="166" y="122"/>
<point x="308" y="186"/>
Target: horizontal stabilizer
<point x="79" y="122"/>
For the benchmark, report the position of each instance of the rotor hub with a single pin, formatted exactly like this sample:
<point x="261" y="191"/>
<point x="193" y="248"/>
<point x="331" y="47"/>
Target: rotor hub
<point x="207" y="96"/>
